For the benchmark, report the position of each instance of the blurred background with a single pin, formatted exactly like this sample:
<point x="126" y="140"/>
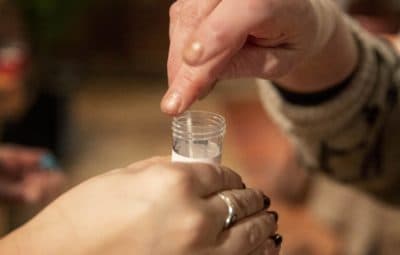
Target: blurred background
<point x="83" y="80"/>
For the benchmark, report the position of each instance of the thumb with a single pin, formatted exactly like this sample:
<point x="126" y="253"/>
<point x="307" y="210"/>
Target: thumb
<point x="217" y="39"/>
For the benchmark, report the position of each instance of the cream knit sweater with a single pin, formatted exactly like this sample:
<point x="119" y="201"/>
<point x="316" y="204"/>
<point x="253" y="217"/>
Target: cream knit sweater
<point x="354" y="137"/>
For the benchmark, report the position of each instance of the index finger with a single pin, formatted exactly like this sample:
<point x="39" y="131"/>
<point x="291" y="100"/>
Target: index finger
<point x="217" y="39"/>
<point x="185" y="16"/>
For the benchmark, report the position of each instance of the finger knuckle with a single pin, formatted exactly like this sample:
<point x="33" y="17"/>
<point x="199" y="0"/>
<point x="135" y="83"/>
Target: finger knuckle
<point x="254" y="233"/>
<point x="270" y="226"/>
<point x="180" y="180"/>
<point x="257" y="198"/>
<point x="212" y="174"/>
<point x="157" y="166"/>
<point x="189" y="76"/>
<point x="206" y="169"/>
<point x="157" y="160"/>
<point x="250" y="202"/>
<point x="195" y="225"/>
<point x="241" y="204"/>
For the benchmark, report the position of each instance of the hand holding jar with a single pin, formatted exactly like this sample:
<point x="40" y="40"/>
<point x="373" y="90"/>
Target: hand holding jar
<point x="154" y="207"/>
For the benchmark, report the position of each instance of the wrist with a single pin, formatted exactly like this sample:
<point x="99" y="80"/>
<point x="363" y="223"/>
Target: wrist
<point x="334" y="60"/>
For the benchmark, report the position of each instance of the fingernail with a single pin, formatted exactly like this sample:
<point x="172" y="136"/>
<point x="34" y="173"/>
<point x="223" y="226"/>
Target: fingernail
<point x="172" y="102"/>
<point x="244" y="186"/>
<point x="48" y="162"/>
<point x="193" y="53"/>
<point x="278" y="239"/>
<point x="274" y="215"/>
<point x="267" y="201"/>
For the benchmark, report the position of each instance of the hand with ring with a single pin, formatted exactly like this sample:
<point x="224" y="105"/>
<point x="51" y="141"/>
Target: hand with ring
<point x="155" y="207"/>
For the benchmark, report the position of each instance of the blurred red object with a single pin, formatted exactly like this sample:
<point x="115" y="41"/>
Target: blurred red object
<point x="13" y="59"/>
<point x="13" y="70"/>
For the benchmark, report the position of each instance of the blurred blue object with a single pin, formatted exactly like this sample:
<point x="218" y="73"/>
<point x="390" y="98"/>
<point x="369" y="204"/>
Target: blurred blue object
<point x="49" y="162"/>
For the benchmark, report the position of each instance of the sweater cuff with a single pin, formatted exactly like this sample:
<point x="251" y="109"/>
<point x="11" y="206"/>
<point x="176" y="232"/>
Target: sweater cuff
<point x="320" y="97"/>
<point x="327" y="114"/>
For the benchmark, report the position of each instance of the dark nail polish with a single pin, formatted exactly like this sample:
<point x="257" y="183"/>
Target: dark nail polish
<point x="275" y="215"/>
<point x="267" y="201"/>
<point x="244" y="185"/>
<point x="278" y="239"/>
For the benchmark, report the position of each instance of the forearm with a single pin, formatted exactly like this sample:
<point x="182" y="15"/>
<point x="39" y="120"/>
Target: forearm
<point x="335" y="61"/>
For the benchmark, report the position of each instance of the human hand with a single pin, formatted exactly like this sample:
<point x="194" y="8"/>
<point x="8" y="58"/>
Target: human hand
<point x="157" y="207"/>
<point x="293" y="42"/>
<point x="23" y="177"/>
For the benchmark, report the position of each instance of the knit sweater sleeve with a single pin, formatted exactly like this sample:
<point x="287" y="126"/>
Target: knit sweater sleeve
<point x="353" y="137"/>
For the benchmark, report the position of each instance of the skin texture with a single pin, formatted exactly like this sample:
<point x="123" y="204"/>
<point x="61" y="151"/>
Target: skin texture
<point x="150" y="207"/>
<point x="294" y="43"/>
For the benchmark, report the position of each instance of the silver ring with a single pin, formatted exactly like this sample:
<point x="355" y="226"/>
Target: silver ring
<point x="231" y="218"/>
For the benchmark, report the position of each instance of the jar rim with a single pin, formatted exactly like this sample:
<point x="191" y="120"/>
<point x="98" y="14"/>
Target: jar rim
<point x="214" y="125"/>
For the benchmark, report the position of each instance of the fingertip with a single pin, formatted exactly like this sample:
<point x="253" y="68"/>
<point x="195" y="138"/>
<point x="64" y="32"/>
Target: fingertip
<point x="188" y="85"/>
<point x="171" y="104"/>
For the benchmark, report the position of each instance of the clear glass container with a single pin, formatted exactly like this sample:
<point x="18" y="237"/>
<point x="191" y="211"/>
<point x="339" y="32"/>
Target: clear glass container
<point x="198" y="137"/>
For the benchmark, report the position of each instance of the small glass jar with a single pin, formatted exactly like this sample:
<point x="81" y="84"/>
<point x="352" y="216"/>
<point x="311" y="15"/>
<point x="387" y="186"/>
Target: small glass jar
<point x="198" y="137"/>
